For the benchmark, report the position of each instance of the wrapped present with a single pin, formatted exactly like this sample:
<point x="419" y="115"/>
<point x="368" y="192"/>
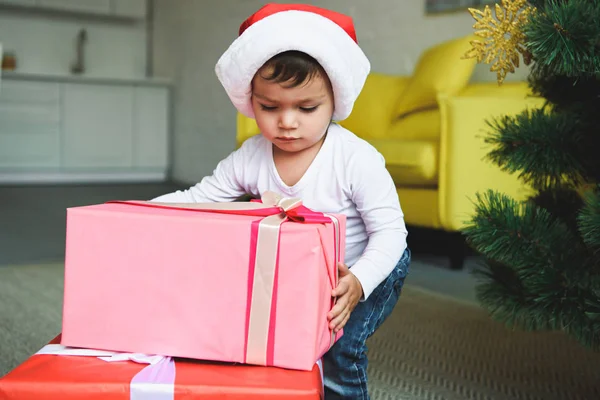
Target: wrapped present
<point x="59" y="373"/>
<point x="246" y="282"/>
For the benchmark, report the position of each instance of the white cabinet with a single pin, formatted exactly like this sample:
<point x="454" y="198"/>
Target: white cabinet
<point x="129" y="8"/>
<point x="98" y="126"/>
<point x="74" y="131"/>
<point x="151" y="122"/>
<point x="29" y="124"/>
<point x="86" y="6"/>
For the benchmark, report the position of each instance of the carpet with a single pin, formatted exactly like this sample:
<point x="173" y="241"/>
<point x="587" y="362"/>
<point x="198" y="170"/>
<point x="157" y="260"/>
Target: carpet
<point x="436" y="348"/>
<point x="431" y="347"/>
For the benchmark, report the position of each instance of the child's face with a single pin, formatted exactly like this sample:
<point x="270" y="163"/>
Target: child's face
<point x="292" y="118"/>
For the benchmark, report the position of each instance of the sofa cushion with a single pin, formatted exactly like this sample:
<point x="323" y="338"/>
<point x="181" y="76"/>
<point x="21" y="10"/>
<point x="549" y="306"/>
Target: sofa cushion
<point x="375" y="107"/>
<point x="424" y="125"/>
<point x="410" y="162"/>
<point x="439" y="69"/>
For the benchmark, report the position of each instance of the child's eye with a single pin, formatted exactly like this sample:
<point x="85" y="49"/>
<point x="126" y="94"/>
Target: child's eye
<point x="309" y="109"/>
<point x="267" y="108"/>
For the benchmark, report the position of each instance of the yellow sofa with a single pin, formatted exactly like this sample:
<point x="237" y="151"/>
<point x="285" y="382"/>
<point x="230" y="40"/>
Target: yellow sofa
<point x="430" y="128"/>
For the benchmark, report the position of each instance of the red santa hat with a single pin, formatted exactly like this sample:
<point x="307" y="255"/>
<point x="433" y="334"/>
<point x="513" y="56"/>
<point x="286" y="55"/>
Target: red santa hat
<point x="327" y="36"/>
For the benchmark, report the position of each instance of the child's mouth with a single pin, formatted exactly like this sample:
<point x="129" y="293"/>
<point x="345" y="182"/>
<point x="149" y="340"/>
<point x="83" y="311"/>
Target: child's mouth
<point x="286" y="139"/>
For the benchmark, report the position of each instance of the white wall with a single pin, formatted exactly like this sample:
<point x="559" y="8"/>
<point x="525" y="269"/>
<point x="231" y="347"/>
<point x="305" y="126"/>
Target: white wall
<point x="45" y="43"/>
<point x="190" y="36"/>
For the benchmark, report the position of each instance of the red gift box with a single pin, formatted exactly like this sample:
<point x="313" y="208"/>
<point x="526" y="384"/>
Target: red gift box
<point x="64" y="377"/>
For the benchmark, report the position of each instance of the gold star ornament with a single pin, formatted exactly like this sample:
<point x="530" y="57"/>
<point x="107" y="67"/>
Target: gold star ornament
<point x="503" y="37"/>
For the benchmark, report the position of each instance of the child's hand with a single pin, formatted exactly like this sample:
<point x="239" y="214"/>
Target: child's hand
<point x="348" y="292"/>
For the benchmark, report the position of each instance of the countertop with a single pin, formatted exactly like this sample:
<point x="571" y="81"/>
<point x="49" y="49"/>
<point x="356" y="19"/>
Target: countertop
<point x="141" y="81"/>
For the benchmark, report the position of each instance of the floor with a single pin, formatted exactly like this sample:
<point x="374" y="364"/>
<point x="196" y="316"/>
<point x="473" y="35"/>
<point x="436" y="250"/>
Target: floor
<point x="33" y="223"/>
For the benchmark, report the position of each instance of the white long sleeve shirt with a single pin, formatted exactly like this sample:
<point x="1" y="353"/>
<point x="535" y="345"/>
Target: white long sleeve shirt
<point x="348" y="176"/>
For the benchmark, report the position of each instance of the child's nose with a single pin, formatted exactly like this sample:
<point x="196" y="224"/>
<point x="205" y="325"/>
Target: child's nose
<point x="288" y="120"/>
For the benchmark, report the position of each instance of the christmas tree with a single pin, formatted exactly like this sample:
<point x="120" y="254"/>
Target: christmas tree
<point x="541" y="267"/>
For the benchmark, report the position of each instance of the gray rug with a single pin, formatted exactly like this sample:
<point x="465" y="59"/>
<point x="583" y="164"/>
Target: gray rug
<point x="432" y="347"/>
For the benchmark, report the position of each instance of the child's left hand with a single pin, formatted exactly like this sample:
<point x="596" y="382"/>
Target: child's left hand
<point x="348" y="292"/>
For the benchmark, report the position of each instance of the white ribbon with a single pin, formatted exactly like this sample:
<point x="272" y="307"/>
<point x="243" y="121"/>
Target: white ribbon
<point x="320" y="364"/>
<point x="154" y="382"/>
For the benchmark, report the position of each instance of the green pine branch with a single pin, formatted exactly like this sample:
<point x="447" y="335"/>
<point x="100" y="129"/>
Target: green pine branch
<point x="507" y="300"/>
<point x="521" y="235"/>
<point x="570" y="93"/>
<point x="564" y="37"/>
<point x="538" y="274"/>
<point x="589" y="220"/>
<point x="563" y="203"/>
<point x="502" y="294"/>
<point x="541" y="147"/>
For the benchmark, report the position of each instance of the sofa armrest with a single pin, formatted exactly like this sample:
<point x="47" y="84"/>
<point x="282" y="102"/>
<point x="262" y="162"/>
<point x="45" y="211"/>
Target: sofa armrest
<point x="464" y="169"/>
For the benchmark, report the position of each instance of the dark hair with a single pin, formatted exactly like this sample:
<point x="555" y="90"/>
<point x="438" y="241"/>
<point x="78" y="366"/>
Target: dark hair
<point x="292" y="67"/>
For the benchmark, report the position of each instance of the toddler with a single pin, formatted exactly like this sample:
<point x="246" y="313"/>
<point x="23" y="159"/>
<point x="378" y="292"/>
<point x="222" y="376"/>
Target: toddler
<point x="296" y="69"/>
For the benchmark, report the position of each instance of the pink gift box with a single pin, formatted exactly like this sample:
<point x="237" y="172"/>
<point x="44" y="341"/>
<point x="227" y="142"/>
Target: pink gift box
<point x="183" y="282"/>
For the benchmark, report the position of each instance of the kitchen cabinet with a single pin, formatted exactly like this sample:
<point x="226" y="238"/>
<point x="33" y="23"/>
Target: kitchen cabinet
<point x="97" y="126"/>
<point x="150" y="124"/>
<point x="72" y="130"/>
<point x="29" y="124"/>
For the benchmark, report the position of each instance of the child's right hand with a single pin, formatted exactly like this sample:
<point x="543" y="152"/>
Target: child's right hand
<point x="348" y="291"/>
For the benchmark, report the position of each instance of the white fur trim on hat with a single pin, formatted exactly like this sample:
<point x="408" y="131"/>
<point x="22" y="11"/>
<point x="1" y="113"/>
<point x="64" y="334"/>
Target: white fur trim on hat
<point x="340" y="56"/>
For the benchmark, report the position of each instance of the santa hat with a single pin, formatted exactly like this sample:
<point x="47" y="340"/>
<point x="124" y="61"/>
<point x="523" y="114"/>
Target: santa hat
<point x="327" y="36"/>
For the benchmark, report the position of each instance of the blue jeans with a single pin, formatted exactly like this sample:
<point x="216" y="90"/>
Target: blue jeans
<point x="345" y="364"/>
